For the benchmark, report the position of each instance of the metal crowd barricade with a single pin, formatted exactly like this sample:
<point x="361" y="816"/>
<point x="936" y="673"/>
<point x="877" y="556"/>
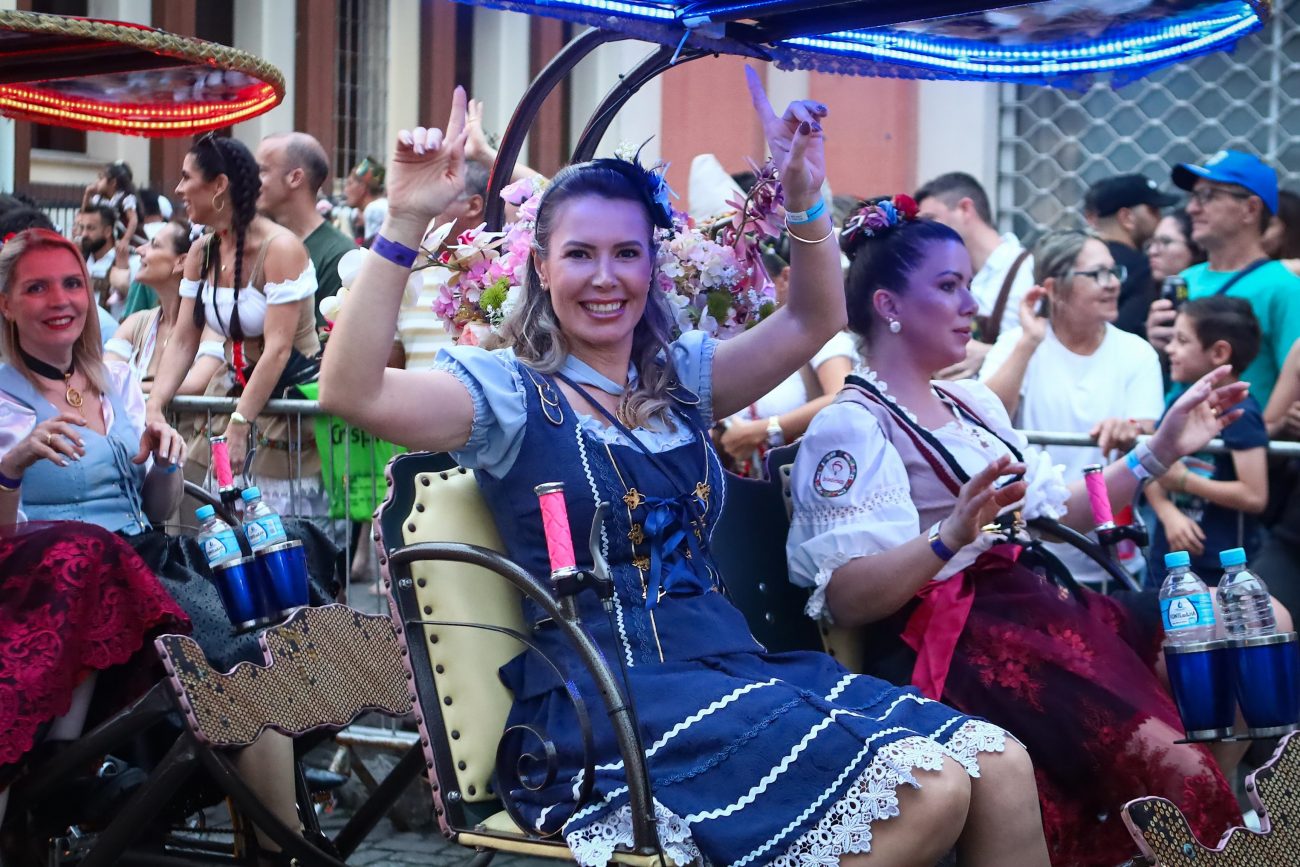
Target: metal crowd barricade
<point x="350" y="445"/>
<point x="193" y="416"/>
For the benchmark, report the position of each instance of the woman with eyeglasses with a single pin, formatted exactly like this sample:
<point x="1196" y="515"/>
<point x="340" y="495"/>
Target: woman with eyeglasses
<point x="1067" y="368"/>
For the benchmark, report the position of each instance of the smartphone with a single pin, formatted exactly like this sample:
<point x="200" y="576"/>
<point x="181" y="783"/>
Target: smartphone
<point x="1043" y="309"/>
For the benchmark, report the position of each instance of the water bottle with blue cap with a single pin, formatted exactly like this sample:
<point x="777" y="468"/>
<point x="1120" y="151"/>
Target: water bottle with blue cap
<point x="262" y="524"/>
<point x="1244" y="600"/>
<point x="1186" y="608"/>
<point x="216" y="537"/>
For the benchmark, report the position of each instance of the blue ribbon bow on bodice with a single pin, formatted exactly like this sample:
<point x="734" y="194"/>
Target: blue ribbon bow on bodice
<point x="668" y="523"/>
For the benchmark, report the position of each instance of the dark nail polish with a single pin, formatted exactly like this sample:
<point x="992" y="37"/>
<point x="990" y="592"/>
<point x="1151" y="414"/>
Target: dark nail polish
<point x="804" y="128"/>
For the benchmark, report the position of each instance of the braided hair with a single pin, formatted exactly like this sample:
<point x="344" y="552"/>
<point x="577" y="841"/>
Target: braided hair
<point x="227" y="156"/>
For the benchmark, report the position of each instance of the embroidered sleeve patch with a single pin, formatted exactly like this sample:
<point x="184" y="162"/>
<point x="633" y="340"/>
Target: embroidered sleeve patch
<point x="835" y="474"/>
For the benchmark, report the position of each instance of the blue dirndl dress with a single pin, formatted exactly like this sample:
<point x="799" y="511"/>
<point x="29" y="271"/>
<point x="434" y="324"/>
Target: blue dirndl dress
<point x="754" y="757"/>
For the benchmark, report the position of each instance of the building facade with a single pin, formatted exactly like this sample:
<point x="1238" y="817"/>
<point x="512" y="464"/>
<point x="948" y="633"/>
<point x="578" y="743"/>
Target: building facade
<point x="359" y="70"/>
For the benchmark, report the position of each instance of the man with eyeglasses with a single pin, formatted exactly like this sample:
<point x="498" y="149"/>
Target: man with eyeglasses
<point x="1233" y="199"/>
<point x="1125" y="210"/>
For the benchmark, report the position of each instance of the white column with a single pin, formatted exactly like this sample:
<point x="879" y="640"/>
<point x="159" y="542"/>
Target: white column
<point x="7" y="131"/>
<point x="640" y="119"/>
<point x="268" y="30"/>
<point x="501" y="67"/>
<point x="957" y="128"/>
<point x="404" y="56"/>
<point x="784" y="86"/>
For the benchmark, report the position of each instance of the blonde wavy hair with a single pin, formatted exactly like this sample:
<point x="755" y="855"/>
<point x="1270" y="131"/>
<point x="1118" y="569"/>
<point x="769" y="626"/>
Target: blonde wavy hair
<point x="88" y="353"/>
<point x="534" y="331"/>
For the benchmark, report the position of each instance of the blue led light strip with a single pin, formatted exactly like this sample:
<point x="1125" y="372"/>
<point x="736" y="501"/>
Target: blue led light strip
<point x="1117" y="54"/>
<point x="627" y="10"/>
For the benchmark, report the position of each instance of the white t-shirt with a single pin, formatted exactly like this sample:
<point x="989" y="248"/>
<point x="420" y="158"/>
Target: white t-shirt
<point x="792" y="393"/>
<point x="986" y="284"/>
<point x="1066" y="392"/>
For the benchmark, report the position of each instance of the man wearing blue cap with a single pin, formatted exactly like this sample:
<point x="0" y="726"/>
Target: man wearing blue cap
<point x="1233" y="199"/>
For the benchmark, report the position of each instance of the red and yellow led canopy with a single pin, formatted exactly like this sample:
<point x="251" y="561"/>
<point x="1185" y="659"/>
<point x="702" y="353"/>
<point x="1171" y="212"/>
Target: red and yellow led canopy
<point x="108" y="76"/>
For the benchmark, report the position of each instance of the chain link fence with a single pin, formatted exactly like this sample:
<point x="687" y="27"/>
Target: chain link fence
<point x="1054" y="143"/>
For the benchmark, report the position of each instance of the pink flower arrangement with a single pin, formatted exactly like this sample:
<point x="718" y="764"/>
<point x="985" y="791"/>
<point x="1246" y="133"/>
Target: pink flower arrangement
<point x="712" y="273"/>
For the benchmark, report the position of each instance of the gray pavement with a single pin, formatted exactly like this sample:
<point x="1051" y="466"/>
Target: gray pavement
<point x="385" y="846"/>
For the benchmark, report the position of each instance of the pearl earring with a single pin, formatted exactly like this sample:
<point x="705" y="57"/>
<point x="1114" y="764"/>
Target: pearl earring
<point x="895" y="326"/>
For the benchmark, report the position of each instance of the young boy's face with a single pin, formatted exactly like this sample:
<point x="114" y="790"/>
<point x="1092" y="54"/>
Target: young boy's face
<point x="1188" y="359"/>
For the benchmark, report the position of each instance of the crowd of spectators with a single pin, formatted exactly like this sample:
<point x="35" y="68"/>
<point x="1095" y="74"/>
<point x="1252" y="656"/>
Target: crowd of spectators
<point x="1095" y="331"/>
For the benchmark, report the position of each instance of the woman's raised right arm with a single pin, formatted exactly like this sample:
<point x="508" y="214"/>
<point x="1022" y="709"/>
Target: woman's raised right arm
<point x="419" y="409"/>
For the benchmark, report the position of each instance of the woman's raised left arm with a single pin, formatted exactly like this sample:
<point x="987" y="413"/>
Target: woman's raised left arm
<point x="751" y="364"/>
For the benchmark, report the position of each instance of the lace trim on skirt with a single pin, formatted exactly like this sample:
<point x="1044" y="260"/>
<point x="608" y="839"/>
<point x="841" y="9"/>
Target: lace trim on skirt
<point x="594" y="845"/>
<point x="846" y="826"/>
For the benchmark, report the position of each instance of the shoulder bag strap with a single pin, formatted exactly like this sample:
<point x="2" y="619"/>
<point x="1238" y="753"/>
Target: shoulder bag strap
<point x="945" y="466"/>
<point x="990" y="334"/>
<point x="1236" y="278"/>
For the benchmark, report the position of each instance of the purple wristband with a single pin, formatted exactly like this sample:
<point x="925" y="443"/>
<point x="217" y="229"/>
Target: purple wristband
<point x="398" y="254"/>
<point x="10" y="484"/>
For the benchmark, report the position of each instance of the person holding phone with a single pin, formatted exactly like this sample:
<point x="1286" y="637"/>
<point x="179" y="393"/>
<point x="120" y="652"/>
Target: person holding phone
<point x="1068" y="368"/>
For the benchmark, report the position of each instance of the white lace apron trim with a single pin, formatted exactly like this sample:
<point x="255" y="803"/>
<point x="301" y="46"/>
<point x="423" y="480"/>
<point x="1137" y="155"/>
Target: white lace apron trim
<point x="844" y="829"/>
<point x="594" y="845"/>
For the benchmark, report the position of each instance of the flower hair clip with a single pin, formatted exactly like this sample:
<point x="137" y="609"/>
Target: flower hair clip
<point x="656" y="181"/>
<point x="879" y="216"/>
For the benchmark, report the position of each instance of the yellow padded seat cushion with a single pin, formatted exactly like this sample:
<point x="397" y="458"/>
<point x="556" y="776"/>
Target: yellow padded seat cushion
<point x="846" y="645"/>
<point x="502" y="834"/>
<point x="449" y="508"/>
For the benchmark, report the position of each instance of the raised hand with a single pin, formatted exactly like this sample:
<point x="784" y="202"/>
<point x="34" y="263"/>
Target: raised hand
<point x="795" y="141"/>
<point x="1032" y="325"/>
<point x="1160" y="323"/>
<point x="477" y="147"/>
<point x="427" y="171"/>
<point x="1115" y="434"/>
<point x="1198" y="416"/>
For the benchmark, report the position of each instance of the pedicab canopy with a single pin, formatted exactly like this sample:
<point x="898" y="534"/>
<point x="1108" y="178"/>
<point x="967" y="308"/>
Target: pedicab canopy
<point x="1055" y="42"/>
<point x="110" y="76"/>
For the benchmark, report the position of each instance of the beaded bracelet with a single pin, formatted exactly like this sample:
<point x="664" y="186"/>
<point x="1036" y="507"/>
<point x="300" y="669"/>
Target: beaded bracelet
<point x="399" y="254"/>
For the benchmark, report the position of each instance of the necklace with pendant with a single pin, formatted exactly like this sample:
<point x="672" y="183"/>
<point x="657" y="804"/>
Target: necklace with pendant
<point x="49" y="371"/>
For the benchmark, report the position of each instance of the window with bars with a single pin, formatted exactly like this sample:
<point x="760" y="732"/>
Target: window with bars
<point x="1054" y="143"/>
<point x="361" y="109"/>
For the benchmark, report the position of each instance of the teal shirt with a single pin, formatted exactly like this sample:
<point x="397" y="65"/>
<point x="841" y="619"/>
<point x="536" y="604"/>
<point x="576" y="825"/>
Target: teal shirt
<point x="1274" y="294"/>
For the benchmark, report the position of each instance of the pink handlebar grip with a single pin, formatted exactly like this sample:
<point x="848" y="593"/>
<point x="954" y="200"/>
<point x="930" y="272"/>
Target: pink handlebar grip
<point x="1098" y="497"/>
<point x="221" y="463"/>
<point x="555" y="522"/>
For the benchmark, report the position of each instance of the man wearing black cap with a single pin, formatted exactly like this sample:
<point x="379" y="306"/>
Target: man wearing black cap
<point x="1125" y="211"/>
<point x="1233" y="199"/>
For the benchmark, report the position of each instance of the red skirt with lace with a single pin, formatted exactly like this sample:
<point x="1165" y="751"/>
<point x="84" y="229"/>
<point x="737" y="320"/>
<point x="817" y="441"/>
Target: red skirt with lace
<point x="1074" y="681"/>
<point x="74" y="598"/>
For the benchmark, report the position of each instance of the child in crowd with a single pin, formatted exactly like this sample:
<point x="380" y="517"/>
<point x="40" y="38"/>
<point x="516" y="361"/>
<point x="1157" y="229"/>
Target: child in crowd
<point x="115" y="187"/>
<point x="1209" y="502"/>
